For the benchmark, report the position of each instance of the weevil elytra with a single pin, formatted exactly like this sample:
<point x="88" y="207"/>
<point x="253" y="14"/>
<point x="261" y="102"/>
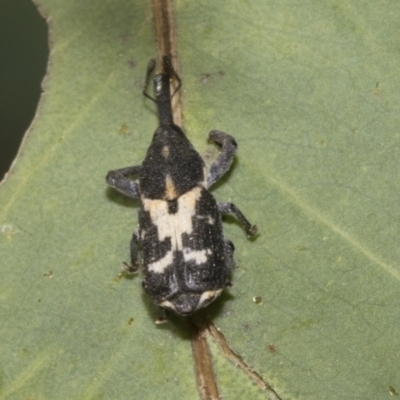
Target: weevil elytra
<point x="185" y="259"/>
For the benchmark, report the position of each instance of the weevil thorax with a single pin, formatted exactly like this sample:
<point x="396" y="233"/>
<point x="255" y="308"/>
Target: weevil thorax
<point x="172" y="166"/>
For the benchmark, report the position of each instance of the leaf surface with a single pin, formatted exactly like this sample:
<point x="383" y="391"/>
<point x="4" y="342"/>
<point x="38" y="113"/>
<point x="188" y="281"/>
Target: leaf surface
<point x="310" y="90"/>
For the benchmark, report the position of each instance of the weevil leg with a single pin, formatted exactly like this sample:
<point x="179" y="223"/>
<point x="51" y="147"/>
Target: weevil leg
<point x="119" y="179"/>
<point x="224" y="161"/>
<point x="229" y="208"/>
<point x="149" y="71"/>
<point x="133" y="268"/>
<point x="163" y="318"/>
<point x="129" y="171"/>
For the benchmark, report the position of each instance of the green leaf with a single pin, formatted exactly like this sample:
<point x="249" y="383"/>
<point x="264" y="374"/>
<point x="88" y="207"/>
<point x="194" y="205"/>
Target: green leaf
<point x="310" y="90"/>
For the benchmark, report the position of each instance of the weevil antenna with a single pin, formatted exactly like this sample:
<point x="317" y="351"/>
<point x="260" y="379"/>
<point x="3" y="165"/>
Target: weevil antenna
<point x="150" y="69"/>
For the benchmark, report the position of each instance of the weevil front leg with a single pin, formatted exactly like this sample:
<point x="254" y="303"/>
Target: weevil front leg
<point x="133" y="268"/>
<point x="119" y="179"/>
<point x="224" y="161"/>
<point x="229" y="208"/>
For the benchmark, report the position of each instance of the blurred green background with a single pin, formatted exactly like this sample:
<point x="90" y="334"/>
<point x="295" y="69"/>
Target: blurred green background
<point x="23" y="58"/>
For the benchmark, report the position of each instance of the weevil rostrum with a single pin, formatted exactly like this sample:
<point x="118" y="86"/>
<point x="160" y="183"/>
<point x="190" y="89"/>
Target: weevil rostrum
<point x="185" y="259"/>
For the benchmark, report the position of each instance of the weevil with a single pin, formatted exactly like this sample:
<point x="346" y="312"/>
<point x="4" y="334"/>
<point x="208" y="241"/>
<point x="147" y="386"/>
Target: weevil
<point x="185" y="259"/>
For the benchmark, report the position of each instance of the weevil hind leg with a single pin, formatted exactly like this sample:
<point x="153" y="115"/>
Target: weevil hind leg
<point x="134" y="266"/>
<point x="119" y="179"/>
<point x="163" y="318"/>
<point x="229" y="208"/>
<point x="224" y="161"/>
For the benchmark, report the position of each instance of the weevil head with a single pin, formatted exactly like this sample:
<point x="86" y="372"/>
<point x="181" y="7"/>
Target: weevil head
<point x="187" y="303"/>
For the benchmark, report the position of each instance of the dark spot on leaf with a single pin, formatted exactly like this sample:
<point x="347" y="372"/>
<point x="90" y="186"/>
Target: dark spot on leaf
<point x="272" y="348"/>
<point x="393" y="391"/>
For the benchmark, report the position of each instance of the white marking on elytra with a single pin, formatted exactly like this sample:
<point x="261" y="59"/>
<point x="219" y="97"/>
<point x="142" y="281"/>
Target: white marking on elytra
<point x="207" y="297"/>
<point x="167" y="304"/>
<point x="170" y="192"/>
<point x="209" y="218"/>
<point x="199" y="256"/>
<point x="204" y="183"/>
<point x="165" y="151"/>
<point x="173" y="226"/>
<point x="160" y="265"/>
